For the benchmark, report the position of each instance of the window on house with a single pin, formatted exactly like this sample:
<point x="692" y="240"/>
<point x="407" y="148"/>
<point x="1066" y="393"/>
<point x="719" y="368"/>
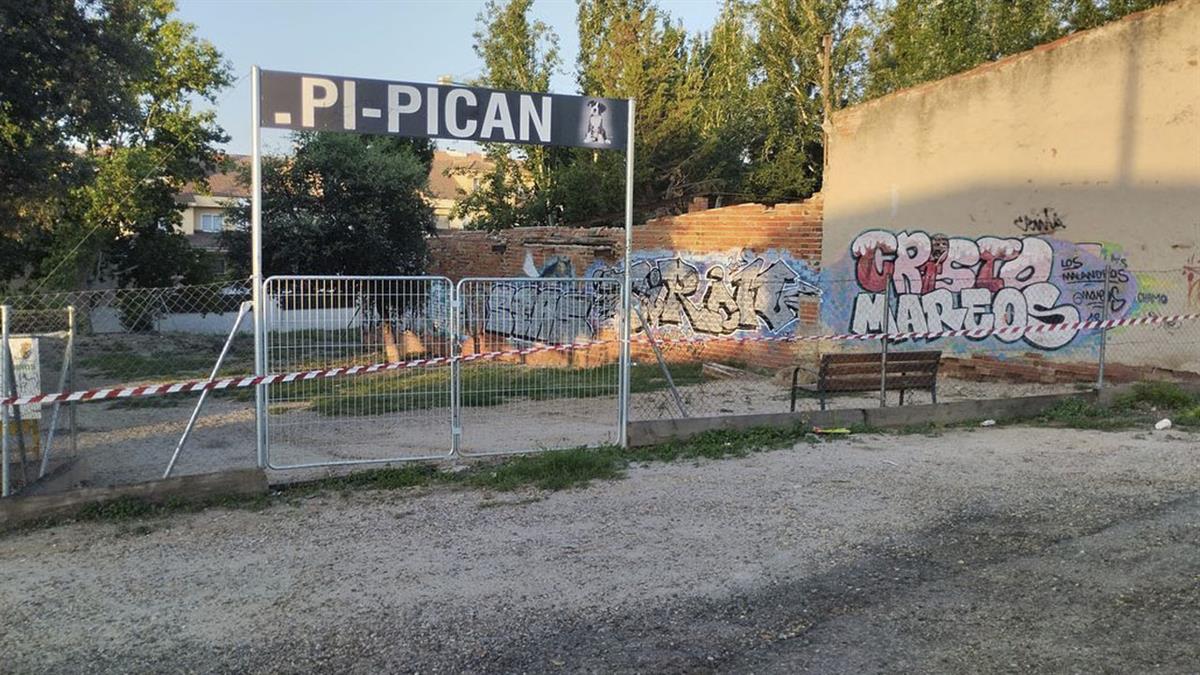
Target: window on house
<point x="212" y="222"/>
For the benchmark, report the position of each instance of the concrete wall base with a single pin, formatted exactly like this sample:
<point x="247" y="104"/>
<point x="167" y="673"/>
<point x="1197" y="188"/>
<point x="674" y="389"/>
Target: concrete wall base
<point x="658" y="431"/>
<point x="16" y="511"/>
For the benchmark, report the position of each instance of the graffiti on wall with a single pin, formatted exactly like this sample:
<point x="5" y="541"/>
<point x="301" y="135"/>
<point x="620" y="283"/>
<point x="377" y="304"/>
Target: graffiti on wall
<point x="918" y="282"/>
<point x="1045" y="222"/>
<point x="548" y="311"/>
<point x="719" y="294"/>
<point x="1191" y="274"/>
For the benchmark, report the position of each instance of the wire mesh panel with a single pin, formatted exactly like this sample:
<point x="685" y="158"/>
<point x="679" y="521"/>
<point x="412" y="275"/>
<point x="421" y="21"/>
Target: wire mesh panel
<point x="540" y="365"/>
<point x="127" y="337"/>
<point x="1169" y="350"/>
<point x="39" y="438"/>
<point x="323" y="322"/>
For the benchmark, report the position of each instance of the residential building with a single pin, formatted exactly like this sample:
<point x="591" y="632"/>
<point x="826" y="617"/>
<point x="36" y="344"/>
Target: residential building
<point x="205" y="215"/>
<point x="454" y="175"/>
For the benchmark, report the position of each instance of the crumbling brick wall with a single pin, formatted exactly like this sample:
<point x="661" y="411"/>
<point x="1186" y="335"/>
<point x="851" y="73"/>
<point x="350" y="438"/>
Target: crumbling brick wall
<point x="726" y="237"/>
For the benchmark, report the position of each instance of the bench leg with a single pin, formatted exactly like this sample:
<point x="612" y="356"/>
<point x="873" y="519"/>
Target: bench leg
<point x="901" y="397"/>
<point x="933" y="393"/>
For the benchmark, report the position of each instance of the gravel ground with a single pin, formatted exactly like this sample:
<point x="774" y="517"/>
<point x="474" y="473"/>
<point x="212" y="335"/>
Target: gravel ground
<point x="988" y="550"/>
<point x="122" y="445"/>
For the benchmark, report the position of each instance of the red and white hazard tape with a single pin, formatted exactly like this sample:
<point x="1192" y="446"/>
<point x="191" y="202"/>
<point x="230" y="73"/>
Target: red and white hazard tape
<point x="254" y="380"/>
<point x="975" y="333"/>
<point x="343" y="371"/>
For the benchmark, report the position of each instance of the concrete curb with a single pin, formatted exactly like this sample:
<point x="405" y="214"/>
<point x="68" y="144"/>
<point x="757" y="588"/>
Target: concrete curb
<point x="658" y="431"/>
<point x="16" y="511"/>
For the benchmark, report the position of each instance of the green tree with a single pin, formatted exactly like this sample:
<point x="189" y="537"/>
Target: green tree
<point x="98" y="131"/>
<point x="345" y="204"/>
<point x="727" y="121"/>
<point x="517" y="54"/>
<point x="341" y="204"/>
<point x="787" y="152"/>
<point x="917" y="41"/>
<point x="632" y="49"/>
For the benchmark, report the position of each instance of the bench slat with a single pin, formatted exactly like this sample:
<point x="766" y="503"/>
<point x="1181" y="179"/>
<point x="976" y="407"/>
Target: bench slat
<point x="872" y="384"/>
<point x="873" y="357"/>
<point x="840" y="370"/>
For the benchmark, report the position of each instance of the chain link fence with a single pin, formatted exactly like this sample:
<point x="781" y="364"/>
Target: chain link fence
<point x="715" y="356"/>
<point x="127" y="337"/>
<point x="753" y="371"/>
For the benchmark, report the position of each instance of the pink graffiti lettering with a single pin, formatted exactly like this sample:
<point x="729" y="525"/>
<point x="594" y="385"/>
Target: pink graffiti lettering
<point x="950" y="283"/>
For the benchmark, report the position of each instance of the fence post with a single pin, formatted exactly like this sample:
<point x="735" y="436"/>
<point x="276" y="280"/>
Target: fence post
<point x="456" y="336"/>
<point x="70" y="356"/>
<point x="662" y="363"/>
<point x="5" y="458"/>
<point x="883" y="344"/>
<point x="1103" y="328"/>
<point x="216" y="369"/>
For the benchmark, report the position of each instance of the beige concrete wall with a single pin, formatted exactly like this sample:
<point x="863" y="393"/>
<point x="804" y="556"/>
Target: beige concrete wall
<point x="187" y="223"/>
<point x="1093" y="140"/>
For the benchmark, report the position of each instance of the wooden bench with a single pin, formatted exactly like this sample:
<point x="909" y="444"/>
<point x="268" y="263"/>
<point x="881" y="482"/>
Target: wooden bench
<point x="861" y="372"/>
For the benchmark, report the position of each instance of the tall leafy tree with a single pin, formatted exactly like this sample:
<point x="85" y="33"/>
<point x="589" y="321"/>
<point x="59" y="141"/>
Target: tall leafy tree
<point x="632" y="49"/>
<point x="345" y="204"/>
<point x="727" y="121"/>
<point x="522" y="54"/>
<point x="787" y="154"/>
<point x="341" y="204"/>
<point x="917" y="41"/>
<point x="98" y="131"/>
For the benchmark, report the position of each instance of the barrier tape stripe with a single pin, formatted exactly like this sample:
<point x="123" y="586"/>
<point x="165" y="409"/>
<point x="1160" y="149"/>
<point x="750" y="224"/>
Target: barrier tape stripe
<point x="933" y="335"/>
<point x="244" y="381"/>
<point x="241" y="382"/>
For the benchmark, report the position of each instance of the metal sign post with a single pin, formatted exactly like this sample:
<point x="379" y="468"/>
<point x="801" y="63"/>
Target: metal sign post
<point x="311" y="102"/>
<point x="260" y="336"/>
<point x="627" y="290"/>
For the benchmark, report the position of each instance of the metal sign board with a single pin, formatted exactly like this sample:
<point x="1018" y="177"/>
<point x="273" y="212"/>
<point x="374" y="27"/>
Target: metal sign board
<point x="27" y="372"/>
<point x="307" y="102"/>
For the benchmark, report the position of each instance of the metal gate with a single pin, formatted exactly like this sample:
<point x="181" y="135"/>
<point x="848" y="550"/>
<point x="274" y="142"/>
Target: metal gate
<point x="519" y="365"/>
<point x="324" y="322"/>
<point x="556" y="383"/>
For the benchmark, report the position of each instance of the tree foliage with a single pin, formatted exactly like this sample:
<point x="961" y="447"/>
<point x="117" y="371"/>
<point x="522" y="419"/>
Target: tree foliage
<point x="98" y="132"/>
<point x="341" y="204"/>
<point x="517" y="54"/>
<point x="917" y="41"/>
<point x="735" y="111"/>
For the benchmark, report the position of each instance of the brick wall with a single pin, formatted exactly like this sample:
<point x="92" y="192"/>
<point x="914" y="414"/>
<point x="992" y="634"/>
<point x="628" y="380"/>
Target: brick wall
<point x="790" y="227"/>
<point x="472" y="253"/>
<point x="794" y="229"/>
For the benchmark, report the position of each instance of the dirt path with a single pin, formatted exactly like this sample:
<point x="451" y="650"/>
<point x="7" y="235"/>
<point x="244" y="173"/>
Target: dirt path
<point x="985" y="550"/>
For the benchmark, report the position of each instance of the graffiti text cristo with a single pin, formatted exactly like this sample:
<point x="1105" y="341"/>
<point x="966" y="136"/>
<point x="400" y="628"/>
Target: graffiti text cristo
<point x="951" y="283"/>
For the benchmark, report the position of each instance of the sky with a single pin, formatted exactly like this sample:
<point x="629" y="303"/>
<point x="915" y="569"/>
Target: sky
<point x="409" y="40"/>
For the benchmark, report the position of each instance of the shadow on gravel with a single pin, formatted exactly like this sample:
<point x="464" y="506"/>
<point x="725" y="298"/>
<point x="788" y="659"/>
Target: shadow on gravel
<point x="1079" y="581"/>
<point x="1071" y="585"/>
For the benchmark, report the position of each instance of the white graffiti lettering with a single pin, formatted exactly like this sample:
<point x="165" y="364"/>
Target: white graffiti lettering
<point x="944" y="283"/>
<point x="718" y="299"/>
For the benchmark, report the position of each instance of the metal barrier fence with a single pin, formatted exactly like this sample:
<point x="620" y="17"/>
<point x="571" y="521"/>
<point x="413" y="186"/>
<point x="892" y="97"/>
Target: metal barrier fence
<point x="517" y="364"/>
<point x="548" y="398"/>
<point x="127" y="337"/>
<point x="320" y="322"/>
